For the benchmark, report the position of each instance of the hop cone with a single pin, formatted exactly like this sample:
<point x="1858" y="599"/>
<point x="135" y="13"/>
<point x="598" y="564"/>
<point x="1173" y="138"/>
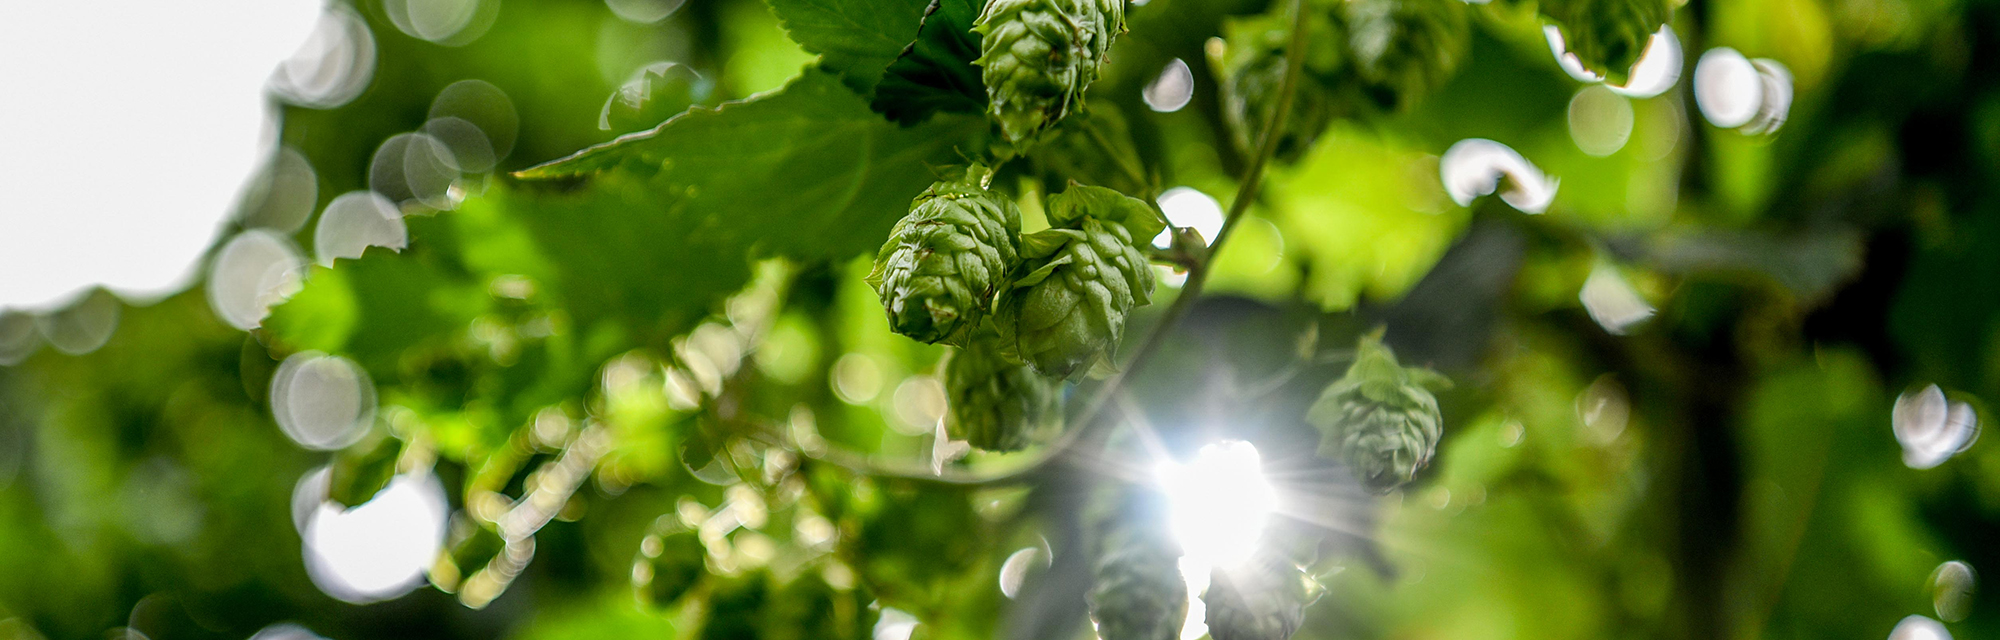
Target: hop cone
<point x="1072" y="307"/>
<point x="996" y="405"/>
<point x="1251" y="91"/>
<point x="1361" y="57"/>
<point x="1265" y="599"/>
<point x="1405" y="49"/>
<point x="1038" y="56"/>
<point x="1251" y="68"/>
<point x="944" y="261"/>
<point x="1607" y="36"/>
<point x="1380" y="419"/>
<point x="1139" y="594"/>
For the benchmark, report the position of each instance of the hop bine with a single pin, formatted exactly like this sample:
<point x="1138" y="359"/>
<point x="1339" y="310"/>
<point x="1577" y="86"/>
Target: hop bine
<point x="1084" y="277"/>
<point x="1264" y="599"/>
<point x="997" y="405"/>
<point x="1038" y="56"/>
<point x="1381" y="418"/>
<point x="944" y="262"/>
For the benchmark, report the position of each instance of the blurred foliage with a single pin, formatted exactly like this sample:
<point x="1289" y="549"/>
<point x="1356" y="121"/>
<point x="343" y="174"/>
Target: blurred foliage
<point x="663" y="403"/>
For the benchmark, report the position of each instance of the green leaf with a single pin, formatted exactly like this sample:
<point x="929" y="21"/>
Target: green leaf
<point x="1081" y="200"/>
<point x="935" y="74"/>
<point x="320" y="316"/>
<point x="807" y="172"/>
<point x="660" y="92"/>
<point x="377" y="306"/>
<point x="856" y="39"/>
<point x="1042" y="244"/>
<point x="628" y="263"/>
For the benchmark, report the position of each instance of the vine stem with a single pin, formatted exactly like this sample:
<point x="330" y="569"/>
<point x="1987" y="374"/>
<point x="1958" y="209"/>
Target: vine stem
<point x="1091" y="418"/>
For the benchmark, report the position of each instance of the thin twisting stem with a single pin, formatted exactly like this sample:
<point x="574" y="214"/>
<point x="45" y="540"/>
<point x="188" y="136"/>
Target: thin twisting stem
<point x="1101" y="398"/>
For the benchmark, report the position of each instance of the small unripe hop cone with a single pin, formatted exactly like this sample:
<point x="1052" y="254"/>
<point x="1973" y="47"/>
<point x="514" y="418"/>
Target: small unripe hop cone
<point x="1038" y="57"/>
<point x="944" y="262"/>
<point x="1138" y="592"/>
<point x="1361" y="57"/>
<point x="1253" y="71"/>
<point x="1380" y="419"/>
<point x="1264" y="599"/>
<point x="1085" y="276"/>
<point x="997" y="404"/>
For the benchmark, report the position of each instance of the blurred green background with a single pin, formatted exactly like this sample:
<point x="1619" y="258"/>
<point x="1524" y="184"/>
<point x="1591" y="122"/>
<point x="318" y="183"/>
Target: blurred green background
<point x="604" y="371"/>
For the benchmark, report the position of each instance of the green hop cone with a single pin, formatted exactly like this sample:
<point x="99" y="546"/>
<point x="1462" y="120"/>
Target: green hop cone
<point x="1362" y="57"/>
<point x="1071" y="309"/>
<point x="1263" y="599"/>
<point x="1405" y="49"/>
<point x="1138" y="593"/>
<point x="1249" y="93"/>
<point x="1251" y="65"/>
<point x="944" y="261"/>
<point x="1608" y="36"/>
<point x="1380" y="419"/>
<point x="1086" y="276"/>
<point x="997" y="405"/>
<point x="1038" y="56"/>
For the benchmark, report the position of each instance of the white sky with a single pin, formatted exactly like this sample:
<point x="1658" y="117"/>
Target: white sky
<point x="127" y="129"/>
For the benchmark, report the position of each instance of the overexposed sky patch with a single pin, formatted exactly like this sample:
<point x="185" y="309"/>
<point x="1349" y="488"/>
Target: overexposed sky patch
<point x="127" y="130"/>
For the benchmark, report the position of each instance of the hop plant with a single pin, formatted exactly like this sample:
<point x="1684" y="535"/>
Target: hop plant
<point x="1608" y="36"/>
<point x="1380" y="418"/>
<point x="943" y="263"/>
<point x="1138" y="593"/>
<point x="1038" y="56"/>
<point x="1084" y="276"/>
<point x="1251" y="64"/>
<point x="1403" y="50"/>
<point x="1252" y="88"/>
<point x="996" y="404"/>
<point x="1361" y="57"/>
<point x="1264" y="599"/>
